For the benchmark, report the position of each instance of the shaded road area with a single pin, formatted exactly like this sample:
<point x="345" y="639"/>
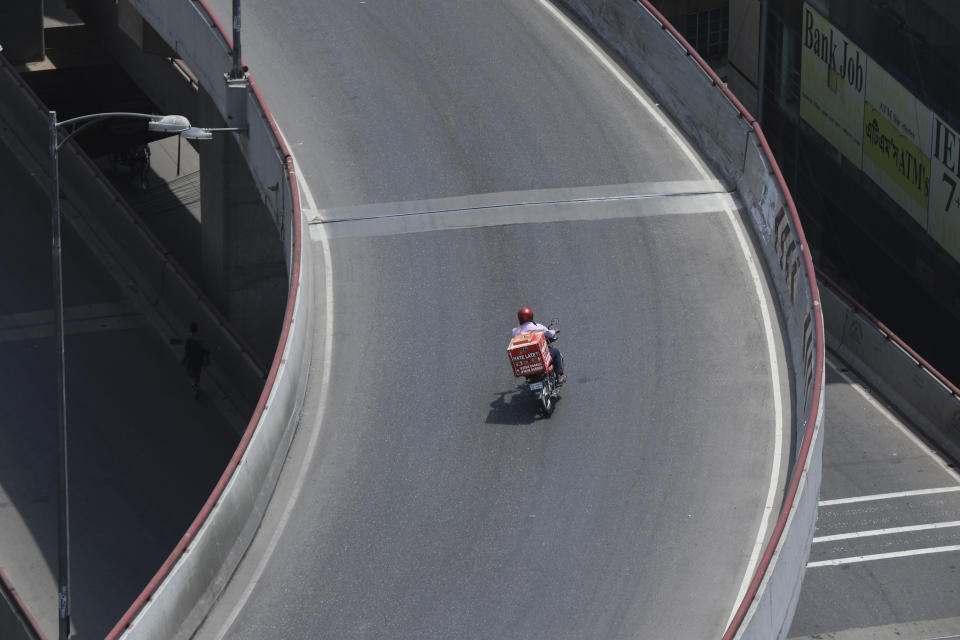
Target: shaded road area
<point x="143" y="454"/>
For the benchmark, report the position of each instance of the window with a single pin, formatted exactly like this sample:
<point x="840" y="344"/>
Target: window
<point x="709" y="31"/>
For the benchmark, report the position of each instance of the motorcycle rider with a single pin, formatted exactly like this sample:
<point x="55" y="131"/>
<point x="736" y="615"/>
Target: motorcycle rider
<point x="527" y="325"/>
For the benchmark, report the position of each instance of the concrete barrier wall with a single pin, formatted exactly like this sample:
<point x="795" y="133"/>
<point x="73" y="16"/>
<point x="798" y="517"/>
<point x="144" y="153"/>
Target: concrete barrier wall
<point x="726" y="135"/>
<point x="182" y="592"/>
<point x="191" y="30"/>
<point x="194" y="34"/>
<point x="185" y="587"/>
<point x="903" y="378"/>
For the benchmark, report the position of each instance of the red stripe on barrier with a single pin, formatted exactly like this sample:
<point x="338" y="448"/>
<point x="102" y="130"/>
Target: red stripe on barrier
<point x="816" y="399"/>
<point x="182" y="546"/>
<point x="819" y="357"/>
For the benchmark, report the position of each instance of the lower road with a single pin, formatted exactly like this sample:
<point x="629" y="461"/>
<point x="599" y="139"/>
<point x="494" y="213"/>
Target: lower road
<point x="143" y="454"/>
<point x="886" y="552"/>
<point x="461" y="160"/>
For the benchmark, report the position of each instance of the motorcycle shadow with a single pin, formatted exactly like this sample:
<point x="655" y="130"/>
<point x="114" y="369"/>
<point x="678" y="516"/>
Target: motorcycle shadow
<point x="514" y="408"/>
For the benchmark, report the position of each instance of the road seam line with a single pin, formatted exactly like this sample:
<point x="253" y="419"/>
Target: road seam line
<point x="532" y="203"/>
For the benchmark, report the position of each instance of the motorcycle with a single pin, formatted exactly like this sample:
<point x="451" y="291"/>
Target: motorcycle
<point x="544" y="386"/>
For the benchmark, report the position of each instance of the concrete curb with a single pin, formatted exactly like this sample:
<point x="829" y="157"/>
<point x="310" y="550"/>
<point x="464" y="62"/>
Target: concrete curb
<point x="181" y="593"/>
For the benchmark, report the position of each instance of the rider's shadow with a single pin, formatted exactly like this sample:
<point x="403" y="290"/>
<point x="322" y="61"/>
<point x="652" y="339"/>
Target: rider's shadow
<point x="514" y="407"/>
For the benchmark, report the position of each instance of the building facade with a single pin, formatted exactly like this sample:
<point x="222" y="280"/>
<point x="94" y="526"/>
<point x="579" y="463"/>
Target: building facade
<point x="860" y="102"/>
<point x="704" y="23"/>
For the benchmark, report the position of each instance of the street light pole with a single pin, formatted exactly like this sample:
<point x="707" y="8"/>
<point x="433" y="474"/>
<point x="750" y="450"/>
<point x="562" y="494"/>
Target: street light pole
<point x="236" y="72"/>
<point x="63" y="499"/>
<point x="167" y="124"/>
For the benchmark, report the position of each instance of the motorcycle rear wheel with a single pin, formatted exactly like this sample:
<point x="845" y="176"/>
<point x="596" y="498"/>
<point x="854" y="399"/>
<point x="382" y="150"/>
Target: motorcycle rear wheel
<point x="546" y="399"/>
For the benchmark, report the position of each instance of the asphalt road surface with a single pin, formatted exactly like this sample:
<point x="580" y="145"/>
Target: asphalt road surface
<point x="463" y="159"/>
<point x="885" y="553"/>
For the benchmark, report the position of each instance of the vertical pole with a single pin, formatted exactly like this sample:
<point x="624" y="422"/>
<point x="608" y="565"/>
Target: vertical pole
<point x="63" y="506"/>
<point x="236" y="73"/>
<point x="761" y="61"/>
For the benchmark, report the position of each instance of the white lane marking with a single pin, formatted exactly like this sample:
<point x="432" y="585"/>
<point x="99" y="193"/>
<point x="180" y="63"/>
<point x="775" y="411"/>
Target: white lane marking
<point x="772" y="487"/>
<point x="321" y="237"/>
<point x="883" y="556"/>
<point x="888" y="531"/>
<point x="887" y="496"/>
<point x="896" y="421"/>
<point x="772" y="491"/>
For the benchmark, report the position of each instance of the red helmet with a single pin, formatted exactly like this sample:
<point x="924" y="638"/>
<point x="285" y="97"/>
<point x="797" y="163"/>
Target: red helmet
<point x="525" y="315"/>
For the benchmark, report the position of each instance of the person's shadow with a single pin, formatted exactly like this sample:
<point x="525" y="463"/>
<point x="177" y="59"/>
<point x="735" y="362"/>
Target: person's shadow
<point x="514" y="407"/>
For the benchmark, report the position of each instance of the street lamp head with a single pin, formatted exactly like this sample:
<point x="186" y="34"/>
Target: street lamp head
<point x="196" y="133"/>
<point x="169" y="124"/>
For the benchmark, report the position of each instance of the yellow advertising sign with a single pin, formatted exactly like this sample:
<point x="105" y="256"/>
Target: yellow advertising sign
<point x="944" y="224"/>
<point x="832" y="82"/>
<point x="896" y="142"/>
<point x="879" y="126"/>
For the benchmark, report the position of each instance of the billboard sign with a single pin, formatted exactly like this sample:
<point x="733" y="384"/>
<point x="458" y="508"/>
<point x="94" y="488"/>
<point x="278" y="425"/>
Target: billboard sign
<point x="944" y="224"/>
<point x="880" y="127"/>
<point x="896" y="142"/>
<point x="833" y="75"/>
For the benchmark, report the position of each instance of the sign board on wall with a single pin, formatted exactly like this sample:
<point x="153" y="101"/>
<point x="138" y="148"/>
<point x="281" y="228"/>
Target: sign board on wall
<point x="863" y="111"/>
<point x="833" y="75"/>
<point x="945" y="188"/>
<point x="896" y="142"/>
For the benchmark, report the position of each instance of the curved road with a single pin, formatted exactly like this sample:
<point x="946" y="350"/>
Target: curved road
<point x="463" y="159"/>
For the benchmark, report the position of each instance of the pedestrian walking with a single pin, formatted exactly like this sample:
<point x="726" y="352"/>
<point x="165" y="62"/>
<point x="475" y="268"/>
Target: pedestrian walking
<point x="195" y="357"/>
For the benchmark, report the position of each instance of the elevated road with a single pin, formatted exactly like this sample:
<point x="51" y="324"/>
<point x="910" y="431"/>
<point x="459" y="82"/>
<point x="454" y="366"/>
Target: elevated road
<point x="460" y="160"/>
<point x="883" y="548"/>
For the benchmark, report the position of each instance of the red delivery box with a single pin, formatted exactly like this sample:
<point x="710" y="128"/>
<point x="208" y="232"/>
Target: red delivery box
<point x="529" y="354"/>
